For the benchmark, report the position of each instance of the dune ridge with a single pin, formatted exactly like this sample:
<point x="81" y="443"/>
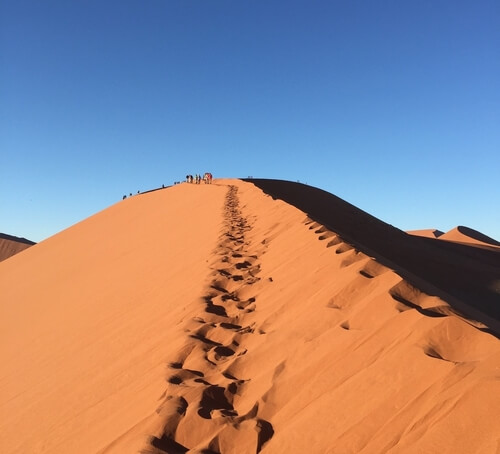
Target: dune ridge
<point x="462" y="234"/>
<point x="369" y="296"/>
<point x="203" y="366"/>
<point x="245" y="325"/>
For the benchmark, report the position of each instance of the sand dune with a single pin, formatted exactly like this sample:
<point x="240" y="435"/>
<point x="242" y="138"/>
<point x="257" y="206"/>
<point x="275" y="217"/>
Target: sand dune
<point x="460" y="234"/>
<point x="467" y="235"/>
<point x="245" y="317"/>
<point x="12" y="245"/>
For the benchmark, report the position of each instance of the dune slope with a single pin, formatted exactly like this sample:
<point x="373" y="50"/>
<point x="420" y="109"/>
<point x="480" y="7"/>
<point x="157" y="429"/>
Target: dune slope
<point x="220" y="319"/>
<point x="457" y="271"/>
<point x="89" y="316"/>
<point x="12" y="245"/>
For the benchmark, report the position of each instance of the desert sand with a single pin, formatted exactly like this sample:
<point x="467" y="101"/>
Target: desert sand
<point x="245" y="317"/>
<point x="12" y="245"/>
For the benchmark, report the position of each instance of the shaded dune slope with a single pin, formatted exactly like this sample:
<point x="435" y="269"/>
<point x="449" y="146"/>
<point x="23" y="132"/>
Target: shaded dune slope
<point x="458" y="272"/>
<point x="12" y="245"/>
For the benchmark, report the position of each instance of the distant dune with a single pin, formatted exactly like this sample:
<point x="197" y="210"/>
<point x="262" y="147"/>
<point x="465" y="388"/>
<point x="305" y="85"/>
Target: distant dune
<point x="429" y="233"/>
<point x="12" y="245"/>
<point x="246" y="317"/>
<point x="467" y="235"/>
<point x="459" y="234"/>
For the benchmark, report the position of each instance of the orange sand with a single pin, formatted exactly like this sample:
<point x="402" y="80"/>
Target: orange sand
<point x="428" y="233"/>
<point x="218" y="319"/>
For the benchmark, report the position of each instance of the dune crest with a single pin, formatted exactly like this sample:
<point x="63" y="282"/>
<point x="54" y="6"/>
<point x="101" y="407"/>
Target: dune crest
<point x="459" y="234"/>
<point x="205" y="394"/>
<point x="462" y="234"/>
<point x="239" y="318"/>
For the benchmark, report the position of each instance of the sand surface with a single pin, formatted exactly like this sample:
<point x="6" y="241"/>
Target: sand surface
<point x="245" y="317"/>
<point x="428" y="233"/>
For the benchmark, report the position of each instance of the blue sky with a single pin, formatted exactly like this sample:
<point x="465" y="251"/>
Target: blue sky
<point x="392" y="105"/>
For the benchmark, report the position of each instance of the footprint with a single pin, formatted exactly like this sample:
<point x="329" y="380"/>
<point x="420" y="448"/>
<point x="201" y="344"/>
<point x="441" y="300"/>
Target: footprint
<point x="212" y="308"/>
<point x="334" y="241"/>
<point x="174" y="408"/>
<point x="168" y="445"/>
<point x="220" y="353"/>
<point x="205" y="329"/>
<point x="175" y="380"/>
<point x="344" y="247"/>
<point x="265" y="433"/>
<point x="229" y="296"/>
<point x="252" y="280"/>
<point x="218" y="287"/>
<point x="366" y="274"/>
<point x="224" y="273"/>
<point x="243" y="265"/>
<point x="353" y="257"/>
<point x="230" y="326"/>
<point x="247" y="329"/>
<point x="373" y="269"/>
<point x="326" y="235"/>
<point x="214" y="398"/>
<point x="204" y="340"/>
<point x="433" y="353"/>
<point x="409" y="297"/>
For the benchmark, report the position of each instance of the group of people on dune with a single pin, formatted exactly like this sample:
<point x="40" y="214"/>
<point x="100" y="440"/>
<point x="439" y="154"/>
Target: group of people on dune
<point x="197" y="179"/>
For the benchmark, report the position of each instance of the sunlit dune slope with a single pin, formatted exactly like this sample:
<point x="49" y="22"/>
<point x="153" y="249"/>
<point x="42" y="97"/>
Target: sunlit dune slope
<point x="429" y="233"/>
<point x="12" y="245"/>
<point x="220" y="319"/>
<point x="88" y="318"/>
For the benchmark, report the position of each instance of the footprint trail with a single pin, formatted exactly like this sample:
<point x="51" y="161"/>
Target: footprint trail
<point x="198" y="410"/>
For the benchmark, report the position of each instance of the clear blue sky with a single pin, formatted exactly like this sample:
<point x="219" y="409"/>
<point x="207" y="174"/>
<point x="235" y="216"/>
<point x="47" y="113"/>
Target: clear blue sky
<point x="392" y="105"/>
